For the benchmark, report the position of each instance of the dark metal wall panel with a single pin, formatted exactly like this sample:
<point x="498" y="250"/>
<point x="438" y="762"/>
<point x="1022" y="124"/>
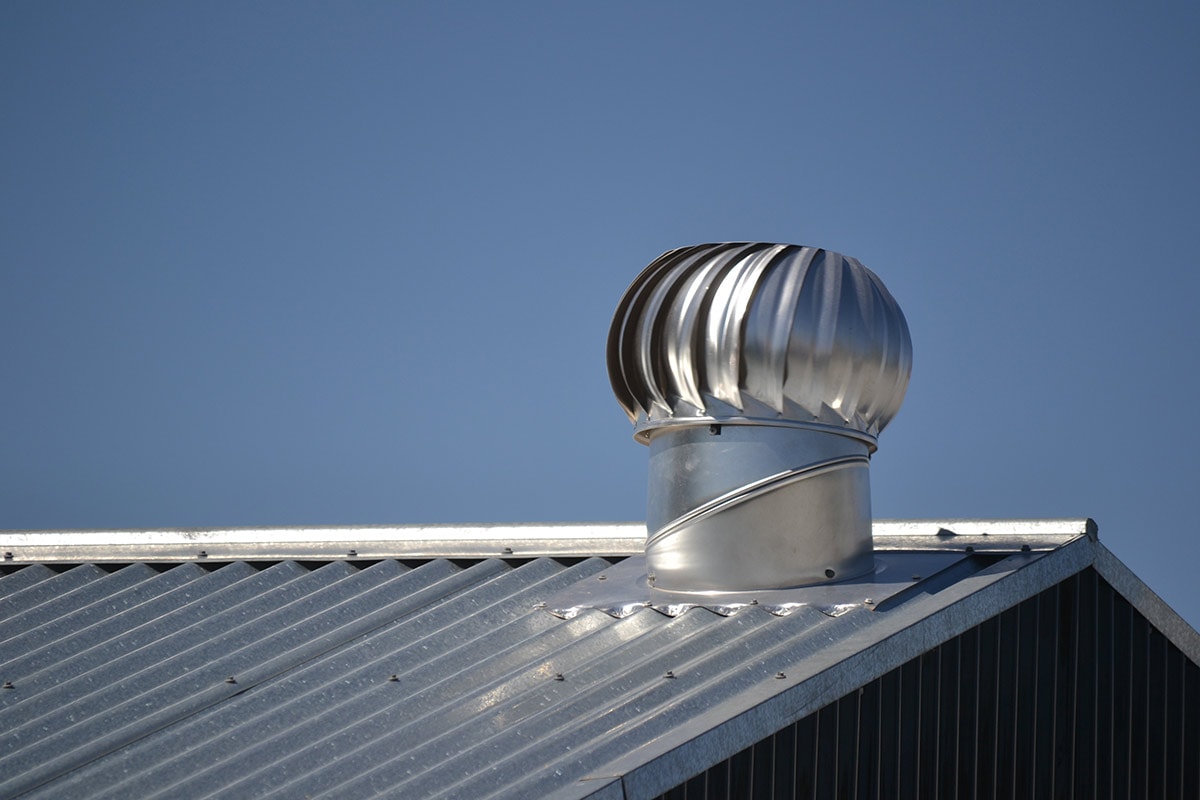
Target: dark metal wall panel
<point x="1072" y="693"/>
<point x="1190" y="743"/>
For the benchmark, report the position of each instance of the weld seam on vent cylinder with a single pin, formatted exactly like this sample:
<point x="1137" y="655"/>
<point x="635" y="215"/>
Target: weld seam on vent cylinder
<point x="752" y="490"/>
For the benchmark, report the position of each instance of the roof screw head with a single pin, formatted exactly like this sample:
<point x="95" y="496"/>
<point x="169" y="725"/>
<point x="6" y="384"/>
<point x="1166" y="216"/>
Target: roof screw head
<point x="8" y="556"/>
<point x="916" y="577"/>
<point x="231" y="679"/>
<point x="779" y="676"/>
<point x="1025" y="548"/>
<point x="352" y="553"/>
<point x="601" y="577"/>
<point x="669" y="675"/>
<point x="542" y="604"/>
<point x="9" y="685"/>
<point x="507" y="551"/>
<point x="869" y="601"/>
<point x="754" y="602"/>
<point x="202" y="554"/>
<point x="393" y="678"/>
<point x="714" y="430"/>
<point x="970" y="548"/>
<point x="558" y="676"/>
<point x="829" y="573"/>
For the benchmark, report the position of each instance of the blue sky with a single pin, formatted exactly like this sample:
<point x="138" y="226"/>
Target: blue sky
<point x="318" y="263"/>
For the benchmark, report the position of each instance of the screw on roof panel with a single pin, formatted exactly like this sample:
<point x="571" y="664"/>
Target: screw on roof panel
<point x="231" y="679"/>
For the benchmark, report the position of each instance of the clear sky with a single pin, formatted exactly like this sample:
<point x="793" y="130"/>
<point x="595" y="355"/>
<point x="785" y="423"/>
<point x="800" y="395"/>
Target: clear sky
<point x="326" y="263"/>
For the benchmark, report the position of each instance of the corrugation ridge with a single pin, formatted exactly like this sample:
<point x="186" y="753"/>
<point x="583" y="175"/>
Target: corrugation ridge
<point x="76" y="700"/>
<point x="105" y="632"/>
<point x="701" y="682"/>
<point x="48" y="590"/>
<point x="274" y="712"/>
<point x="55" y="609"/>
<point x="125" y="589"/>
<point x="138" y="769"/>
<point x="205" y="738"/>
<point x="23" y="578"/>
<point x="309" y="632"/>
<point x="65" y="735"/>
<point x="509" y="669"/>
<point x="507" y="675"/>
<point x="638" y="668"/>
<point x="55" y="675"/>
<point x="439" y="701"/>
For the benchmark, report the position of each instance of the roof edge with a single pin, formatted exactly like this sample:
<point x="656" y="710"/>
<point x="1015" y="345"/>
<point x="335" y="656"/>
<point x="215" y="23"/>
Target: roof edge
<point x="910" y="630"/>
<point x="520" y="540"/>
<point x="1148" y="603"/>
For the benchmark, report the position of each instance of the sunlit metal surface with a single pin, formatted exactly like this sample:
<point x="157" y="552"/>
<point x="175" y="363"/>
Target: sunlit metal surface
<point x="623" y="589"/>
<point x="360" y="542"/>
<point x="365" y="542"/>
<point x="760" y="376"/>
<point x="451" y="678"/>
<point x="911" y="555"/>
<point x="773" y="333"/>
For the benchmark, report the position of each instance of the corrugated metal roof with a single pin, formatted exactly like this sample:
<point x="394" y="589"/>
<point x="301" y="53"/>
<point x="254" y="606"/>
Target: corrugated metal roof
<point x="427" y="678"/>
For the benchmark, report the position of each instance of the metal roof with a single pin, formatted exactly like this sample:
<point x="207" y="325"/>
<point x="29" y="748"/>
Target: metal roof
<point x="434" y="671"/>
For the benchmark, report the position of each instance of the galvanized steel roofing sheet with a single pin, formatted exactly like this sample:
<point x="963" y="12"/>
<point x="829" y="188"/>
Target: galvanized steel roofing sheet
<point x="432" y="678"/>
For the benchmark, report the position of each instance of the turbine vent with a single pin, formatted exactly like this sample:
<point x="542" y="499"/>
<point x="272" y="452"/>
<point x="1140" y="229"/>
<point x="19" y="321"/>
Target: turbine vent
<point x="760" y="376"/>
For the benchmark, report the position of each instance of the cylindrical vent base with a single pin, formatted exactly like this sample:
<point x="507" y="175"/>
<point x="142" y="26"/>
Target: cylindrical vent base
<point x="754" y="507"/>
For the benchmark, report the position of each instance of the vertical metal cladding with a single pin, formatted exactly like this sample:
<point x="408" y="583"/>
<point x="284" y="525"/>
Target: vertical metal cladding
<point x="760" y="376"/>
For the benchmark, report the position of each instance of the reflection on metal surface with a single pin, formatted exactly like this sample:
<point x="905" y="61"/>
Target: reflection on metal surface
<point x="758" y="332"/>
<point x="353" y="542"/>
<point x="119" y="674"/>
<point x="530" y="540"/>
<point x="759" y="375"/>
<point x="756" y="508"/>
<point x="622" y="589"/>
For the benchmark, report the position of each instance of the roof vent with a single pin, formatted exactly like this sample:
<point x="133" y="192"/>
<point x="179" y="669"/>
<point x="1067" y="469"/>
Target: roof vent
<point x="759" y="375"/>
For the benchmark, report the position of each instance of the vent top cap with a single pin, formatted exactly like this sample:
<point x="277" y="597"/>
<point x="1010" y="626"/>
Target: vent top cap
<point x="759" y="333"/>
